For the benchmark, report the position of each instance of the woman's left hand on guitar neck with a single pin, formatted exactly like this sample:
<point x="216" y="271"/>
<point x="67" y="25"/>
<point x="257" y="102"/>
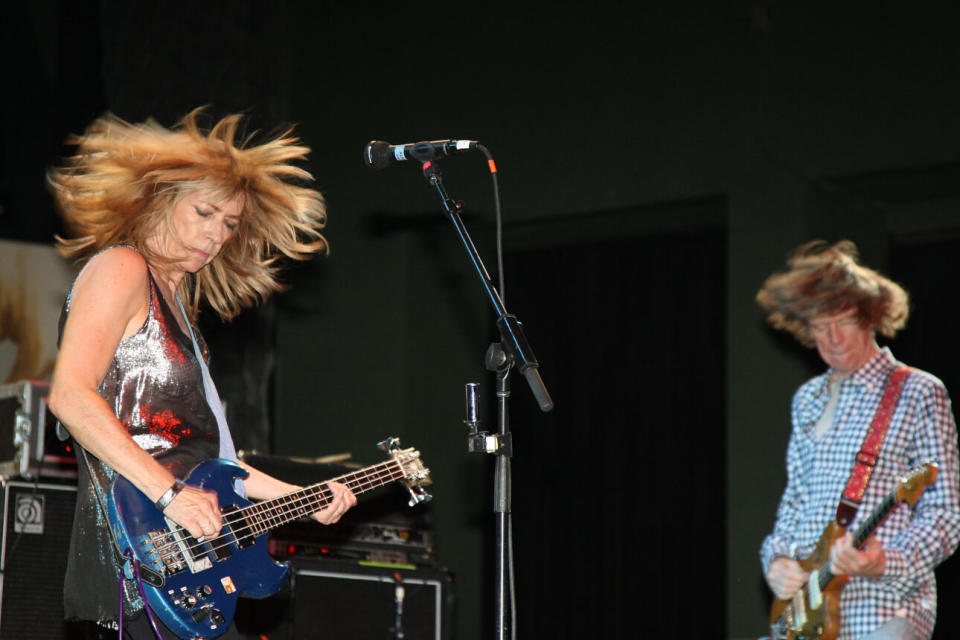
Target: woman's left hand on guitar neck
<point x="845" y="559"/>
<point x="265" y="487"/>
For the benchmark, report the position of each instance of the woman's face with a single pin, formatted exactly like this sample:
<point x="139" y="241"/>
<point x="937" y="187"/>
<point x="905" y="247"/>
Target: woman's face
<point x="202" y="224"/>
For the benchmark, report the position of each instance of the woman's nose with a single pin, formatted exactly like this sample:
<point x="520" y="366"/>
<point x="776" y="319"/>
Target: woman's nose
<point x="216" y="231"/>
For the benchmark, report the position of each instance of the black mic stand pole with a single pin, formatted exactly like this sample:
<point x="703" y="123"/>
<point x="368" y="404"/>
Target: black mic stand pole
<point x="512" y="350"/>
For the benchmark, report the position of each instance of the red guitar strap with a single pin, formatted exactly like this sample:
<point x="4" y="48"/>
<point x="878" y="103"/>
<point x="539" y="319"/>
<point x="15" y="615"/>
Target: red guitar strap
<point x="870" y="449"/>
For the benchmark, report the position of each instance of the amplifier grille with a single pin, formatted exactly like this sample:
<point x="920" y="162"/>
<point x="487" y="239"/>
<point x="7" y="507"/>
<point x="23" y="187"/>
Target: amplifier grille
<point x="37" y="519"/>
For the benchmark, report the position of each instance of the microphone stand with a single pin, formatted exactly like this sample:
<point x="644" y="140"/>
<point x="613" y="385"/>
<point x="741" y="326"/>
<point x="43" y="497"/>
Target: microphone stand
<point x="512" y="350"/>
<point x="511" y="330"/>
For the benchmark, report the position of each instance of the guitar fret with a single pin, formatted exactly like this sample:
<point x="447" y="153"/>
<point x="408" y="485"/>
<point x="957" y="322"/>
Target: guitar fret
<point x="258" y="519"/>
<point x="272" y="519"/>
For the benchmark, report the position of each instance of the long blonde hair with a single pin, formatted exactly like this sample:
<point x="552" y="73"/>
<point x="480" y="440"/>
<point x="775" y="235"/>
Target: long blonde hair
<point x="124" y="180"/>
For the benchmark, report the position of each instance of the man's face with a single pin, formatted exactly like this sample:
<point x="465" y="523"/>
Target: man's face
<point x="842" y="341"/>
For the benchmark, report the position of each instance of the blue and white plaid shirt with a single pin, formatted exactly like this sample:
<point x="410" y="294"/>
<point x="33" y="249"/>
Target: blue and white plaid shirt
<point x="916" y="539"/>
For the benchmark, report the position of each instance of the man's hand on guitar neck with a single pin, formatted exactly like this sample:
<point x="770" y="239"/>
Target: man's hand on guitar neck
<point x="785" y="577"/>
<point x="869" y="562"/>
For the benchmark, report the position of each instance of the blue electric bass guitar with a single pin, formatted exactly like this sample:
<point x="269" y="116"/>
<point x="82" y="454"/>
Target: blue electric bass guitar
<point x="193" y="586"/>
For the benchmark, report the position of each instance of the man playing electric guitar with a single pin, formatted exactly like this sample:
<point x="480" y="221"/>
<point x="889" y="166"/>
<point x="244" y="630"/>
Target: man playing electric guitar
<point x="857" y="429"/>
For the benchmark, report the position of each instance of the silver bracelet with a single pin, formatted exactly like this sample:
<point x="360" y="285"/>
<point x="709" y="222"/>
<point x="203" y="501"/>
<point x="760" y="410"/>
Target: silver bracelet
<point x="164" y="501"/>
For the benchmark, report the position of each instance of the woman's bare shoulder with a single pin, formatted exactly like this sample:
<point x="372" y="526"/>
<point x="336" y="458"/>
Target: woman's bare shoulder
<point x="121" y="257"/>
<point x="119" y="267"/>
<point x="114" y="280"/>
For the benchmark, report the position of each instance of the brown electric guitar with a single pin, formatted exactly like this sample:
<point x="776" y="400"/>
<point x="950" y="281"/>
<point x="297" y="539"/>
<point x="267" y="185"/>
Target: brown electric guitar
<point x="813" y="613"/>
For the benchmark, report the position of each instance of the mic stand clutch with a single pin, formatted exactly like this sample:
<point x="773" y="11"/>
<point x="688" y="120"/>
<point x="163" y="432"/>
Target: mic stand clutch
<point x="512" y="350"/>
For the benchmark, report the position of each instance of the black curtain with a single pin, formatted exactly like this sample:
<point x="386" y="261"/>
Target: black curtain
<point x="619" y="493"/>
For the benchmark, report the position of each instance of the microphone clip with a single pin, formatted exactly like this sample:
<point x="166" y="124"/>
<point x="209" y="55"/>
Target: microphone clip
<point x="479" y="441"/>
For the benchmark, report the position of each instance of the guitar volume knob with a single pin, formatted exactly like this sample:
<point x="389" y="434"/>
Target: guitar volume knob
<point x="216" y="618"/>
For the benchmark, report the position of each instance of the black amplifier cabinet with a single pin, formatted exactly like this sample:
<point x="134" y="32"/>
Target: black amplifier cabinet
<point x="335" y="599"/>
<point x="37" y="519"/>
<point x="356" y="601"/>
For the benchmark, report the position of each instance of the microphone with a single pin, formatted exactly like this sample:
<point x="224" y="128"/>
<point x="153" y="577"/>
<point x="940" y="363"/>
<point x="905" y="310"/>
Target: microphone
<point x="378" y="154"/>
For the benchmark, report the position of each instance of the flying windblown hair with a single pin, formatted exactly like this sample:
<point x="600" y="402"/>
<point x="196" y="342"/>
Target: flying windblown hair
<point x="824" y="279"/>
<point x="124" y="179"/>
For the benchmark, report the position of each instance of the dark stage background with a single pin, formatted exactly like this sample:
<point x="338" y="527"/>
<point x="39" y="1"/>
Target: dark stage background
<point x="626" y="473"/>
<point x="656" y="163"/>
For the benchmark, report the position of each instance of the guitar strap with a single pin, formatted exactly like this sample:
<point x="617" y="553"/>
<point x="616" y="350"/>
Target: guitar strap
<point x="866" y="459"/>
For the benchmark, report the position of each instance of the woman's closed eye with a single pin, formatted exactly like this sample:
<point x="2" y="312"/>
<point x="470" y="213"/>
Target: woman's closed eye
<point x="230" y="223"/>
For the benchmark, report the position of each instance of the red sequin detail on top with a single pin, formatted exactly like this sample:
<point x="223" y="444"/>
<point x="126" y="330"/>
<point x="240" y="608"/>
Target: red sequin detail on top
<point x="165" y="424"/>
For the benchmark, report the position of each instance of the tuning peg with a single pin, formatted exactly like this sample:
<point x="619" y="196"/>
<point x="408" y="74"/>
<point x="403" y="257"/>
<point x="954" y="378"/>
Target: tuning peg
<point x="389" y="444"/>
<point x="418" y="495"/>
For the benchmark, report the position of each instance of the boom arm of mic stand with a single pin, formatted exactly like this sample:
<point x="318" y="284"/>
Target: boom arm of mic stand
<point x="511" y="329"/>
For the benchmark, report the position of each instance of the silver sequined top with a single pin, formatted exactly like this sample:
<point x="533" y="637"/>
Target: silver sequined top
<point x="155" y="388"/>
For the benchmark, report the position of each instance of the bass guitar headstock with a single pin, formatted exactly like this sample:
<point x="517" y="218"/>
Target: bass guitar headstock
<point x="416" y="476"/>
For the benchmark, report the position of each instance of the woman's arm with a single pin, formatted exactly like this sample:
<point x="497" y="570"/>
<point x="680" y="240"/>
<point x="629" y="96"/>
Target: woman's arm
<point x="261" y="486"/>
<point x="109" y="302"/>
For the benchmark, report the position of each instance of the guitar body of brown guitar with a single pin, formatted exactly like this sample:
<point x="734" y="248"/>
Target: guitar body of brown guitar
<point x="813" y="613"/>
